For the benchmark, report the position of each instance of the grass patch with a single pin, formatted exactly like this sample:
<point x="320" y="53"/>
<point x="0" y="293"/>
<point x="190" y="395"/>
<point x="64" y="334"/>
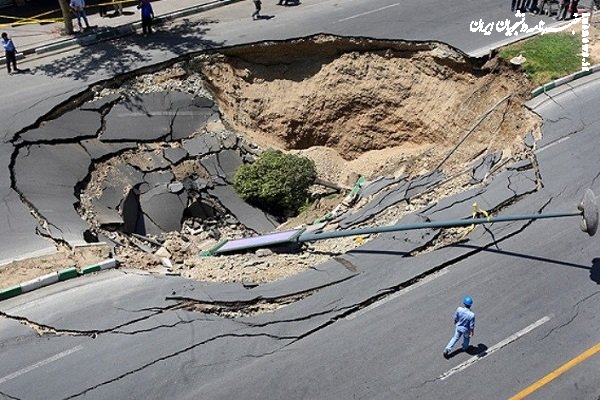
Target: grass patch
<point x="548" y="56"/>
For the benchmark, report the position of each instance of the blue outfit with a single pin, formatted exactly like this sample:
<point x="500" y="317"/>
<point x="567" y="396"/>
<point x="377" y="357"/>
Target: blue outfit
<point x="464" y="319"/>
<point x="10" y="52"/>
<point x="8" y="45"/>
<point x="147" y="15"/>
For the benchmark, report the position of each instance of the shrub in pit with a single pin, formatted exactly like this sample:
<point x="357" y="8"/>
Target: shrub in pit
<point x="276" y="182"/>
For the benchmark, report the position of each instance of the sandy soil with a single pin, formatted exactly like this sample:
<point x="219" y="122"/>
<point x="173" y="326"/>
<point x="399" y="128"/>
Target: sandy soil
<point x="24" y="270"/>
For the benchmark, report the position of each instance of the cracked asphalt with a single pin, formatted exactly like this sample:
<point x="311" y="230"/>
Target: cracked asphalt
<point x="124" y="335"/>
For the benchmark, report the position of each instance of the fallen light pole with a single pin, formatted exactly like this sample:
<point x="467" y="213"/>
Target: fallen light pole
<point x="587" y="210"/>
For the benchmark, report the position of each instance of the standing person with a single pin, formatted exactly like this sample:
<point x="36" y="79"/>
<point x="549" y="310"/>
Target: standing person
<point x="464" y="320"/>
<point x="118" y="6"/>
<point x="256" y="13"/>
<point x="147" y="15"/>
<point x="562" y="11"/>
<point x="78" y="7"/>
<point x="10" y="52"/>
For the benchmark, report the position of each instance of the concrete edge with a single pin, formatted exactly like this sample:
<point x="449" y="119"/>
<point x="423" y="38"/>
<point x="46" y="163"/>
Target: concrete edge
<point x="54" y="277"/>
<point x="561" y="81"/>
<point x="121" y="30"/>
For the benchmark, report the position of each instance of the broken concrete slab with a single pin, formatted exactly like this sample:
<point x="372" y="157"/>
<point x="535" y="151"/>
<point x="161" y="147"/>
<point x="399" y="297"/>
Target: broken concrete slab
<point x="175" y="154"/>
<point x="423" y="183"/>
<point x="105" y="215"/>
<point x="175" y="187"/>
<point x="230" y="140"/>
<point x="146" y="117"/>
<point x="251" y="217"/>
<point x="202" y="145"/>
<point x="394" y="194"/>
<point x="46" y="176"/>
<point x="453" y="207"/>
<point x="374" y="187"/>
<point x="97" y="150"/>
<point x="483" y="167"/>
<point x="111" y="197"/>
<point x="189" y="121"/>
<point x="229" y="161"/>
<point x="162" y="209"/>
<point x="504" y="188"/>
<point x="521" y="165"/>
<point x="157" y="178"/>
<point x="125" y="175"/>
<point x="76" y="124"/>
<point x="216" y="173"/>
<point x="99" y="104"/>
<point x="149" y="161"/>
<point x="529" y="140"/>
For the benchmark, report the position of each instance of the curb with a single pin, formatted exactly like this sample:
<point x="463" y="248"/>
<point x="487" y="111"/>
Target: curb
<point x="561" y="81"/>
<point x="54" y="277"/>
<point x="125" y="29"/>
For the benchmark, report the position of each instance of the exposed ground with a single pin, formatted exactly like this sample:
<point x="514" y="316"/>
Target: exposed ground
<point x="354" y="107"/>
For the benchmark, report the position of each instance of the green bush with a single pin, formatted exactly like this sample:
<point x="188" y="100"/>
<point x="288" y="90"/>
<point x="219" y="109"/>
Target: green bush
<point x="276" y="182"/>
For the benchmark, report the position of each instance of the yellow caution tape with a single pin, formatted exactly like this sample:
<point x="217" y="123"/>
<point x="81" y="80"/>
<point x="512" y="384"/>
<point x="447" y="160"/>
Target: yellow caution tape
<point x="37" y="20"/>
<point x="360" y="240"/>
<point x="478" y="212"/>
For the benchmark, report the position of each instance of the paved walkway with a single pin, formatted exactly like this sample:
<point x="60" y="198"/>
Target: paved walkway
<point x="29" y="38"/>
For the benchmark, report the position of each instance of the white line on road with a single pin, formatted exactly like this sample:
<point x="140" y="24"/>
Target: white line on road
<point x="397" y="294"/>
<point x="495" y="347"/>
<point x="40" y="364"/>
<point x="368" y="12"/>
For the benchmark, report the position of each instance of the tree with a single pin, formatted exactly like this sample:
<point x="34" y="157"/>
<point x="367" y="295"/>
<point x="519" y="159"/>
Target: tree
<point x="67" y="17"/>
<point x="276" y="182"/>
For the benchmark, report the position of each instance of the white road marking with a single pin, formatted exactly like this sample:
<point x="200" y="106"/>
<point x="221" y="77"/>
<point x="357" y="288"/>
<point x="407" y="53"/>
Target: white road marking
<point x="495" y="347"/>
<point x="368" y="12"/>
<point x="40" y="364"/>
<point x="397" y="294"/>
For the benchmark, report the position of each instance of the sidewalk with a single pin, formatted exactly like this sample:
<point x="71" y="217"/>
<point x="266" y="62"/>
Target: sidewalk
<point x="38" y="38"/>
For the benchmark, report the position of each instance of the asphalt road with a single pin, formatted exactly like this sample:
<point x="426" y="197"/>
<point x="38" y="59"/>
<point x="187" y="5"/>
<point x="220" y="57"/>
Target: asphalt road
<point x="123" y="335"/>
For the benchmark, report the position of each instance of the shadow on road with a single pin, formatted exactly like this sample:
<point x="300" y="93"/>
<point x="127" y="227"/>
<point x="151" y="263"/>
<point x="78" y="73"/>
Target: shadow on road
<point x="479" y="351"/>
<point x="526" y="256"/>
<point x="121" y="55"/>
<point x="595" y="270"/>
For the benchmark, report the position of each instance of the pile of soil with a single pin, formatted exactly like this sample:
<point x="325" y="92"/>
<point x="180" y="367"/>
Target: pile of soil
<point x="373" y="112"/>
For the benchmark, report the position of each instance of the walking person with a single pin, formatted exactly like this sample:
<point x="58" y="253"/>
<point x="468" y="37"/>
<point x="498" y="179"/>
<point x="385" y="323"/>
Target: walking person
<point x="78" y="7"/>
<point x="10" y="52"/>
<point x="256" y="13"/>
<point x="147" y="14"/>
<point x="464" y="320"/>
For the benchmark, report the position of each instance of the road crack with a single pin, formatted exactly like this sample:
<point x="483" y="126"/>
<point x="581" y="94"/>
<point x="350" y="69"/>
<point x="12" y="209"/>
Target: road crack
<point x="576" y="306"/>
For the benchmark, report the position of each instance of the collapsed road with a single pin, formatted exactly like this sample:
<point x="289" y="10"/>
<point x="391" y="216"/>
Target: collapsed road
<point x="214" y="340"/>
<point x="150" y="161"/>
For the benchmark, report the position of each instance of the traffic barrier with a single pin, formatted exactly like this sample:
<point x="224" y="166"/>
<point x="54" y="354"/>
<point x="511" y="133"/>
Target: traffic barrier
<point x="68" y="273"/>
<point x="37" y="283"/>
<point x="10" y="292"/>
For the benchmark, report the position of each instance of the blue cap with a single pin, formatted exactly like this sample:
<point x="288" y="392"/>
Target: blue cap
<point x="467" y="301"/>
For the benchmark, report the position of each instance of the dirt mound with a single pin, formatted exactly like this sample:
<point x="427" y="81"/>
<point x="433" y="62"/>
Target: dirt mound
<point x="419" y="99"/>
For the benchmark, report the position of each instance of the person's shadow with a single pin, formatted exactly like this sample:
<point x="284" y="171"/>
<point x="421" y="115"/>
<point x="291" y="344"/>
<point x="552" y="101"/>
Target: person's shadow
<point x="267" y="17"/>
<point x="595" y="270"/>
<point x="479" y="351"/>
